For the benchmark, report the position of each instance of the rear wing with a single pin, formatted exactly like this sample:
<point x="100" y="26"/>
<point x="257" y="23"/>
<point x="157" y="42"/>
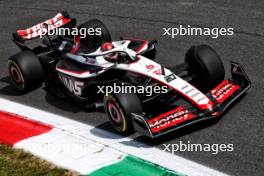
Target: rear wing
<point x="57" y="21"/>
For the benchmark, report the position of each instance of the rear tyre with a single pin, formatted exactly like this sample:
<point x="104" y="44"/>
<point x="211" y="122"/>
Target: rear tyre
<point x="119" y="108"/>
<point x="92" y="42"/>
<point x="206" y="65"/>
<point x="25" y="71"/>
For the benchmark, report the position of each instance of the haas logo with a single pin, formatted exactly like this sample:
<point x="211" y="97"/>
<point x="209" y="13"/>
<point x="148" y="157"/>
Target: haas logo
<point x="73" y="86"/>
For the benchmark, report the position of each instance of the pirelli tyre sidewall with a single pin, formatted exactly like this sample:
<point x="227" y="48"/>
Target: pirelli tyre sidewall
<point x="25" y="71"/>
<point x="119" y="108"/>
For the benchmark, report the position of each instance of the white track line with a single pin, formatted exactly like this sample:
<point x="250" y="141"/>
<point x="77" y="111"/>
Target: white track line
<point x="111" y="141"/>
<point x="70" y="151"/>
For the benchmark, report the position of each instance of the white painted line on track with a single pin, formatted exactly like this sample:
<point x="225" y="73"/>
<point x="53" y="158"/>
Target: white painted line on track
<point x="70" y="151"/>
<point x="109" y="140"/>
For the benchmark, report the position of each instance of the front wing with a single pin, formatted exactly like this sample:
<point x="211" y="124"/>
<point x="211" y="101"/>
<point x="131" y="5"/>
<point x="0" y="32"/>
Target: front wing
<point x="223" y="95"/>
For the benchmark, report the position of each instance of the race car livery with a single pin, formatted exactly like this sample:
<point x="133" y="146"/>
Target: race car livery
<point x="72" y="68"/>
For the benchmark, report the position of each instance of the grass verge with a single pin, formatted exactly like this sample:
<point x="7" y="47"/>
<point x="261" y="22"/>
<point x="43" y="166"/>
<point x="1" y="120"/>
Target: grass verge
<point x="16" y="162"/>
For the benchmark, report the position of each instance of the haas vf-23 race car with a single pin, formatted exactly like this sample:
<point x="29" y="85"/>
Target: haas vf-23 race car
<point x="74" y="67"/>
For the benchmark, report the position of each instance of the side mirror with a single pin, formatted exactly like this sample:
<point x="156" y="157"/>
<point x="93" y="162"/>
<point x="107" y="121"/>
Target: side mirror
<point x="151" y="45"/>
<point x="152" y="42"/>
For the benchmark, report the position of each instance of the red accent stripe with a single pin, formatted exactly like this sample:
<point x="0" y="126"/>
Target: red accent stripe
<point x="219" y="86"/>
<point x="224" y="90"/>
<point x="29" y="32"/>
<point x="77" y="44"/>
<point x="72" y="72"/>
<point x="14" y="128"/>
<point x="142" y="46"/>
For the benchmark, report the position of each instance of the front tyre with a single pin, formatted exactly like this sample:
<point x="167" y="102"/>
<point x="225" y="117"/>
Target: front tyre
<point x="25" y="71"/>
<point x="119" y="108"/>
<point x="206" y="66"/>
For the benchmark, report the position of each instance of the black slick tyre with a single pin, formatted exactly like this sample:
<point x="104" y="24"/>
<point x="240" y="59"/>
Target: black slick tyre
<point x="206" y="65"/>
<point x="25" y="71"/>
<point x="119" y="108"/>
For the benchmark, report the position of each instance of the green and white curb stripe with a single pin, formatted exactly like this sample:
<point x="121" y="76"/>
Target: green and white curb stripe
<point x="89" y="150"/>
<point x="88" y="157"/>
<point x="131" y="165"/>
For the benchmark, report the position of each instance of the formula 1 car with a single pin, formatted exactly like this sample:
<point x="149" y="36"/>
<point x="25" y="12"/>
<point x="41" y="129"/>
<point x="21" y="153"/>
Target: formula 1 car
<point x="74" y="67"/>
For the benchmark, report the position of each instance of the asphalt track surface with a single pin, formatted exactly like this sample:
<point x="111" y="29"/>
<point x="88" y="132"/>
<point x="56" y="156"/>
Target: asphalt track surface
<point x="241" y="126"/>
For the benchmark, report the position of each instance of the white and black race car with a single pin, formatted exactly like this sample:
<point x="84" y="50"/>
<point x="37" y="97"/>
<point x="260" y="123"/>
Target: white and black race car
<point x="74" y="67"/>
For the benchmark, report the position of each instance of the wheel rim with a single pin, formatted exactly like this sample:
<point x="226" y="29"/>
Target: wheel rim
<point x="114" y="112"/>
<point x="16" y="75"/>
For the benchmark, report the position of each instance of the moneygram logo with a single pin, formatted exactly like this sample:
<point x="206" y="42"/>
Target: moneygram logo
<point x="177" y="116"/>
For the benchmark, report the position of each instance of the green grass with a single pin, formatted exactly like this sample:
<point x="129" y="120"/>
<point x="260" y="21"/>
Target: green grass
<point x="16" y="162"/>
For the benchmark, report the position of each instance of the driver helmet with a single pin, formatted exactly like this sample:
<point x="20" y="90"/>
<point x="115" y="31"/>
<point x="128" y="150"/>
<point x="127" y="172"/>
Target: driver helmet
<point x="112" y="57"/>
